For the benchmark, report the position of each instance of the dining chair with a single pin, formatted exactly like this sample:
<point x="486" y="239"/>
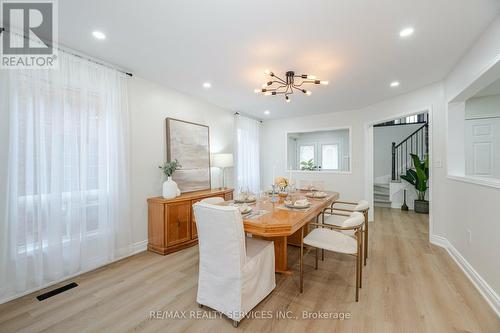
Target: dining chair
<point x="235" y="272"/>
<point x="340" y="211"/>
<point x="212" y="200"/>
<point x="326" y="237"/>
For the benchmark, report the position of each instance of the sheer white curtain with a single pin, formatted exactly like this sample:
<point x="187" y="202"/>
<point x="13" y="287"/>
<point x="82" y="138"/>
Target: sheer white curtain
<point x="68" y="169"/>
<point x="247" y="150"/>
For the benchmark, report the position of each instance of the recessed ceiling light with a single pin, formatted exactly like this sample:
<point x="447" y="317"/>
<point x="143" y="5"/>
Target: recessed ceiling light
<point x="267" y="112"/>
<point x="207" y="85"/>
<point x="99" y="35"/>
<point x="406" y="32"/>
<point x="395" y="84"/>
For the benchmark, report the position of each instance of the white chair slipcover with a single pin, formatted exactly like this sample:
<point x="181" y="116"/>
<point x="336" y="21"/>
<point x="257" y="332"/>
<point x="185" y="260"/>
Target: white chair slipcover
<point x="212" y="200"/>
<point x="235" y="272"/>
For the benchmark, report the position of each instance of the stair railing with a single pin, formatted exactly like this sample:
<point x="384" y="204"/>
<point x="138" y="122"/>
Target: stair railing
<point x="416" y="143"/>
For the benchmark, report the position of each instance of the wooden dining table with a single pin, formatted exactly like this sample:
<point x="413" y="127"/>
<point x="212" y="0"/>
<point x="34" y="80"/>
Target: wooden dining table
<point x="283" y="226"/>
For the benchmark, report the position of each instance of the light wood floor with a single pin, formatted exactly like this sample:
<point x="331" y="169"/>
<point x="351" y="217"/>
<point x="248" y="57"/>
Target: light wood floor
<point x="409" y="285"/>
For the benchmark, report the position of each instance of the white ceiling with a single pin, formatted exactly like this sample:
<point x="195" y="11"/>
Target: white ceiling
<point x="353" y="44"/>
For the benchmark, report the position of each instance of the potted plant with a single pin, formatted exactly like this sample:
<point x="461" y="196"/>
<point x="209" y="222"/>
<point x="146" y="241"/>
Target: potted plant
<point x="418" y="177"/>
<point x="170" y="188"/>
<point x="307" y="165"/>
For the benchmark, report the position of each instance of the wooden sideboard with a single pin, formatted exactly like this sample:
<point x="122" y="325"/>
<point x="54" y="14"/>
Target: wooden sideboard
<point x="171" y="224"/>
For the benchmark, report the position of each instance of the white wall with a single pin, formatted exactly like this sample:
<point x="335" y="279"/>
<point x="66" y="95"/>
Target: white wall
<point x="4" y="150"/>
<point x="383" y="137"/>
<point x="472" y="207"/>
<point x="150" y="105"/>
<point x="482" y="107"/>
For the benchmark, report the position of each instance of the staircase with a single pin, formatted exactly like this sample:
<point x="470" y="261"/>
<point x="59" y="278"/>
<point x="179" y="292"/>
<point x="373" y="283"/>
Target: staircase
<point x="416" y="143"/>
<point x="388" y="191"/>
<point x="381" y="195"/>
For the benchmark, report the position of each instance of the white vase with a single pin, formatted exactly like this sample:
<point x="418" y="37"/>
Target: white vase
<point x="170" y="189"/>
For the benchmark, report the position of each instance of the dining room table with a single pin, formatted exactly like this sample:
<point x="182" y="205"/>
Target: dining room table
<point x="271" y="219"/>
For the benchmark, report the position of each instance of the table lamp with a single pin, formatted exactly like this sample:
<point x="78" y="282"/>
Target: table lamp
<point x="222" y="161"/>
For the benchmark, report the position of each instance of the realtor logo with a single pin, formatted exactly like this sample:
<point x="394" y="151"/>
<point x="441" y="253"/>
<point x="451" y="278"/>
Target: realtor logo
<point x="28" y="34"/>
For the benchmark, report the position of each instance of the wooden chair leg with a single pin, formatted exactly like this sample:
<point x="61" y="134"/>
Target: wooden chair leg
<point x="360" y="254"/>
<point x="359" y="263"/>
<point x="366" y="238"/>
<point x="322" y="250"/>
<point x="357" y="276"/>
<point x="301" y="260"/>
<point x="317" y="253"/>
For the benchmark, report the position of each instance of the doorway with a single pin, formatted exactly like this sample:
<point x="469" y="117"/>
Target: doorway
<point x="390" y="144"/>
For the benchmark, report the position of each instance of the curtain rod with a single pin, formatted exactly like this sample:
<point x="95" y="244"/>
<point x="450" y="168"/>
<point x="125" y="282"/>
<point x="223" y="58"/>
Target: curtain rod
<point x="2" y="29"/>
<point x="238" y="114"/>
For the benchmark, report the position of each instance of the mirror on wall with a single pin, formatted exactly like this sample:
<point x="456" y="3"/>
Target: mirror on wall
<point x="321" y="150"/>
<point x="482" y="133"/>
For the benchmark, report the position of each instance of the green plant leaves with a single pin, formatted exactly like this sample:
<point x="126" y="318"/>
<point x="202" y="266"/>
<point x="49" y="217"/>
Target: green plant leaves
<point x="420" y="176"/>
<point x="307" y="165"/>
<point x="168" y="168"/>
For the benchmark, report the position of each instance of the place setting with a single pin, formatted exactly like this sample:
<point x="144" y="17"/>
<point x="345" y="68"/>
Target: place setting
<point x="317" y="195"/>
<point x="301" y="204"/>
<point x="244" y="201"/>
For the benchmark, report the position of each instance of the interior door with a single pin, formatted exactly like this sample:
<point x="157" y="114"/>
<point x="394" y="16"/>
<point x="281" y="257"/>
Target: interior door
<point x="482" y="147"/>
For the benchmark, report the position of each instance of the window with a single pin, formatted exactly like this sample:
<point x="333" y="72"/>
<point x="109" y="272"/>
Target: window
<point x="247" y="147"/>
<point x="412" y="119"/>
<point x="330" y="157"/>
<point x="327" y="150"/>
<point x="68" y="190"/>
<point x="306" y="154"/>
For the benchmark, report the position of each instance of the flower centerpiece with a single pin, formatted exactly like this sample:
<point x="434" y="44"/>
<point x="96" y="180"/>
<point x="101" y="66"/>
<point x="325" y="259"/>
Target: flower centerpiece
<point x="170" y="188"/>
<point x="282" y="184"/>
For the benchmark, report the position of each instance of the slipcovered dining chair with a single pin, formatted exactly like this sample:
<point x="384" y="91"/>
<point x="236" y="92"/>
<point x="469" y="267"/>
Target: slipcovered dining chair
<point x="340" y="211"/>
<point x="326" y="237"/>
<point x="212" y="200"/>
<point x="235" y="272"/>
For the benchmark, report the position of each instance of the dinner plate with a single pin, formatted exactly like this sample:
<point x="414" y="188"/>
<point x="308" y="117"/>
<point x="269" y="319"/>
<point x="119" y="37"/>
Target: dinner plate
<point x="298" y="207"/>
<point x="245" y="200"/>
<point x="318" y="195"/>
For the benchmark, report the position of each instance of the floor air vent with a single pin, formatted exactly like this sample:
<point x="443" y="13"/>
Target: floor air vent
<point x="56" y="291"/>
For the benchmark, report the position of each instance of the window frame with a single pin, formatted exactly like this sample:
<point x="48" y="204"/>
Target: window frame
<point x="320" y="129"/>
<point x="338" y="155"/>
<point x="315" y="153"/>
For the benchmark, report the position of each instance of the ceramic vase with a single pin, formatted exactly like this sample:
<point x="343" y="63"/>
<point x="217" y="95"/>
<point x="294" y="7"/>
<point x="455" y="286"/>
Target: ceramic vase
<point x="170" y="189"/>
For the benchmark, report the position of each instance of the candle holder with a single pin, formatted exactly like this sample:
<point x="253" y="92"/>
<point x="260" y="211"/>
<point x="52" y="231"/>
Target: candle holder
<point x="274" y="197"/>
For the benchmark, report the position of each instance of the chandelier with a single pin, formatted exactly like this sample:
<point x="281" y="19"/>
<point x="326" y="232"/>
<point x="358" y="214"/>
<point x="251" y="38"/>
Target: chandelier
<point x="292" y="82"/>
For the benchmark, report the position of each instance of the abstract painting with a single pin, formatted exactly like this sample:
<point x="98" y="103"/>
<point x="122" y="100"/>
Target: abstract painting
<point x="189" y="143"/>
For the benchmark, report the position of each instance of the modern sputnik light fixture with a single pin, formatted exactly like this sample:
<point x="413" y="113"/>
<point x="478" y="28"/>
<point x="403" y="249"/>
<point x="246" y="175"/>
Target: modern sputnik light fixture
<point x="292" y="82"/>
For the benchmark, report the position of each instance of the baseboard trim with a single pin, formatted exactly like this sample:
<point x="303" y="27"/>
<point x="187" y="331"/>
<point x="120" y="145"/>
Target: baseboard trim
<point x="439" y="241"/>
<point x="481" y="285"/>
<point x="135" y="248"/>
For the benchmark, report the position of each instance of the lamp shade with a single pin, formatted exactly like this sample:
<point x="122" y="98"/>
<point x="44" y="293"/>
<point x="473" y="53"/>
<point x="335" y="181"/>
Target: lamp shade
<point x="222" y="160"/>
